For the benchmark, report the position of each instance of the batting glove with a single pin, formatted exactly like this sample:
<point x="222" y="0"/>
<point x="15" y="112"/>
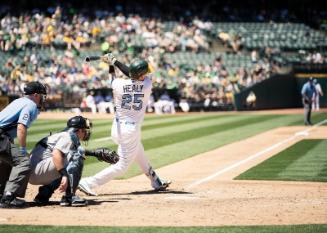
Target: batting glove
<point x="112" y="58"/>
<point x="109" y="58"/>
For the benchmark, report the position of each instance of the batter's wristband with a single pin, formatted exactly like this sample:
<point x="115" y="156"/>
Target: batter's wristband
<point x="63" y="172"/>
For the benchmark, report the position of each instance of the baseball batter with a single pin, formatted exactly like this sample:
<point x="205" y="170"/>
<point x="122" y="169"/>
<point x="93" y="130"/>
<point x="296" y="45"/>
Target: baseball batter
<point x="131" y="96"/>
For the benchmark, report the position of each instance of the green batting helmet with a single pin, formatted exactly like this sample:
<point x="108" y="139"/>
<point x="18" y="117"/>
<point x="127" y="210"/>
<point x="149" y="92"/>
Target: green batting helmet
<point x="138" y="68"/>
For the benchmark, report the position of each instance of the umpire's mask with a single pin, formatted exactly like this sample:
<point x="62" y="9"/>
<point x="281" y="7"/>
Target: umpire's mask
<point x="79" y="122"/>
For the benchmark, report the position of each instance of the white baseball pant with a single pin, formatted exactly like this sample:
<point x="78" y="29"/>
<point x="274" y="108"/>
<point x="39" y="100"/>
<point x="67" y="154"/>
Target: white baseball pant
<point x="128" y="137"/>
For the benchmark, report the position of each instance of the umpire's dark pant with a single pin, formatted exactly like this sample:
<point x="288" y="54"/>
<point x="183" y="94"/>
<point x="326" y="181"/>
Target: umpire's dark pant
<point x="14" y="172"/>
<point x="307" y="112"/>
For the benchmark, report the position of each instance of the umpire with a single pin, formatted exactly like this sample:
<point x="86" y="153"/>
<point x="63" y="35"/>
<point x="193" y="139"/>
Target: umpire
<point x="15" y="119"/>
<point x="308" y="94"/>
<point x="57" y="162"/>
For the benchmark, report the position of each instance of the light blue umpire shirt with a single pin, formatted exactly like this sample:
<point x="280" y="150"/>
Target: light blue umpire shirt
<point x="308" y="90"/>
<point x="22" y="110"/>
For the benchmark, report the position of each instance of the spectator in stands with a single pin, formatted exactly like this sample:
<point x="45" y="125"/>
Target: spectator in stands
<point x="69" y="34"/>
<point x="150" y="105"/>
<point x="184" y="105"/>
<point x="89" y="102"/>
<point x="164" y="104"/>
<point x="103" y="106"/>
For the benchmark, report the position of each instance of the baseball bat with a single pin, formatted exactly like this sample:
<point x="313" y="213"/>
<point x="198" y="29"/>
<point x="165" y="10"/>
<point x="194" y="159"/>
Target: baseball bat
<point x="93" y="58"/>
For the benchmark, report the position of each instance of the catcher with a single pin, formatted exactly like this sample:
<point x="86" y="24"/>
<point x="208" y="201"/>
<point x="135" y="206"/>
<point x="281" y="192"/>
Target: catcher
<point x="57" y="162"/>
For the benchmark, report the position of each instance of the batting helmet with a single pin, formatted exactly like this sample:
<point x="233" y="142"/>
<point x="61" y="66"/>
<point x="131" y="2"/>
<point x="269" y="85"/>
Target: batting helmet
<point x="138" y="68"/>
<point x="35" y="88"/>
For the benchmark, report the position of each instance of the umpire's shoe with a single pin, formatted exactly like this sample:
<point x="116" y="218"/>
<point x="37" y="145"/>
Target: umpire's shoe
<point x="10" y="201"/>
<point x="74" y="201"/>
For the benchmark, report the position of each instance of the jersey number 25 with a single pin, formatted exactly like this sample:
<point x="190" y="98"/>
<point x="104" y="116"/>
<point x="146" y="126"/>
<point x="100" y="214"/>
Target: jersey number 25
<point x="134" y="101"/>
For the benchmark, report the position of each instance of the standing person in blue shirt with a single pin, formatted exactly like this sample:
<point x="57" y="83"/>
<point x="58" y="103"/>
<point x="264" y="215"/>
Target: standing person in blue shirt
<point x="15" y="119"/>
<point x="308" y="94"/>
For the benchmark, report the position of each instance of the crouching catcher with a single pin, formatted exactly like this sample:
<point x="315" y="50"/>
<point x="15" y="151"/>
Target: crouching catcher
<point x="57" y="162"/>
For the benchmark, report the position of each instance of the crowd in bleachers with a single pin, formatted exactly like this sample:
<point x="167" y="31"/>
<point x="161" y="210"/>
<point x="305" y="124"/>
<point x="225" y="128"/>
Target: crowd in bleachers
<point x="51" y="46"/>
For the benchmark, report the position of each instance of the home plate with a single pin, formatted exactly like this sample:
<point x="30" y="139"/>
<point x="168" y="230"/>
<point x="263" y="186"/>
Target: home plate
<point x="181" y="198"/>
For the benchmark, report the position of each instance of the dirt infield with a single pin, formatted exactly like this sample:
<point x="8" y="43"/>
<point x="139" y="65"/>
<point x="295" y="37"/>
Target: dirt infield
<point x="202" y="193"/>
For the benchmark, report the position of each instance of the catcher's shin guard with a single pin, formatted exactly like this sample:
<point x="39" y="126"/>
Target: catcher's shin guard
<point x="74" y="170"/>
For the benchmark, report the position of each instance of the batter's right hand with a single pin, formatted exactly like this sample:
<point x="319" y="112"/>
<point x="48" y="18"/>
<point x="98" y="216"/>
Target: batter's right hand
<point x="111" y="58"/>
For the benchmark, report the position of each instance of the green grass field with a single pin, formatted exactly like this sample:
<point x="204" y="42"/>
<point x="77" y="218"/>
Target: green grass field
<point x="243" y="229"/>
<point x="168" y="139"/>
<point x="304" y="161"/>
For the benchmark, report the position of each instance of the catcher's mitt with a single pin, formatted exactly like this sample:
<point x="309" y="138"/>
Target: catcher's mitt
<point x="104" y="154"/>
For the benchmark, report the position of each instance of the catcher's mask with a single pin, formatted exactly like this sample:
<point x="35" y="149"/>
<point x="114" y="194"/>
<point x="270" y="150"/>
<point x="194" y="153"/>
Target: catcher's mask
<point x="138" y="68"/>
<point x="79" y="122"/>
<point x="36" y="88"/>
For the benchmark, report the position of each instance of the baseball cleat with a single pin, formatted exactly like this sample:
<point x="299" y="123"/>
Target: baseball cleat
<point x="162" y="185"/>
<point x="74" y="201"/>
<point x="85" y="188"/>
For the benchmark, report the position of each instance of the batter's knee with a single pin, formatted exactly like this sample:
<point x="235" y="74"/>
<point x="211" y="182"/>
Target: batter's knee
<point x="120" y="168"/>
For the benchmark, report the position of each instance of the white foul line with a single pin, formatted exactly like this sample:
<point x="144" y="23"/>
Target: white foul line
<point x="218" y="173"/>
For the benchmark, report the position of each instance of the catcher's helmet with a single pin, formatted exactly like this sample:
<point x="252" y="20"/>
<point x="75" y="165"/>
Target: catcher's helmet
<point x="79" y="122"/>
<point x="35" y="88"/>
<point x="138" y="68"/>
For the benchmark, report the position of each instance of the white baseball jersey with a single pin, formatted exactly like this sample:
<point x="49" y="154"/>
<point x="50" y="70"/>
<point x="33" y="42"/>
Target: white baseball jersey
<point x="131" y="98"/>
